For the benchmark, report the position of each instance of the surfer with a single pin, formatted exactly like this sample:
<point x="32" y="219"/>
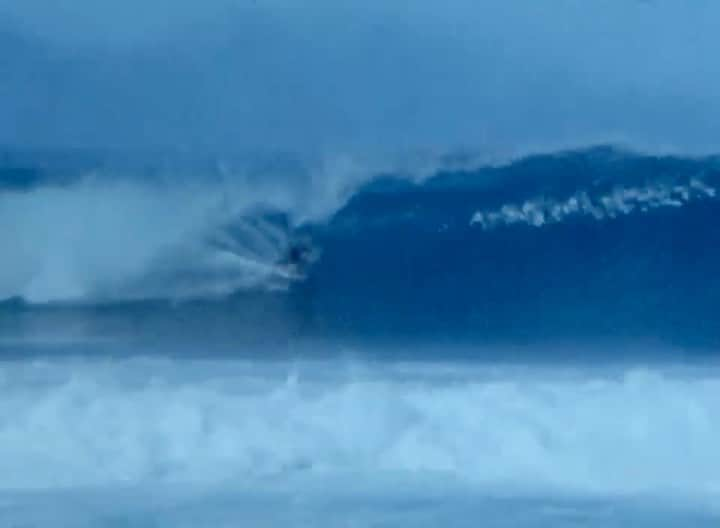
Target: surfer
<point x="300" y="255"/>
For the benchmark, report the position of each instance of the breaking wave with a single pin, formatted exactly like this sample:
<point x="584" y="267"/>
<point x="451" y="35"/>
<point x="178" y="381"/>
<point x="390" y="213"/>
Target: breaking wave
<point x="85" y="234"/>
<point x="587" y="243"/>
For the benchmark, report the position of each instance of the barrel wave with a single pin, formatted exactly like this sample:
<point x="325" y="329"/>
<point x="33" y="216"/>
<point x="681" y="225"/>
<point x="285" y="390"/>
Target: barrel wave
<point x="584" y="244"/>
<point x="595" y="244"/>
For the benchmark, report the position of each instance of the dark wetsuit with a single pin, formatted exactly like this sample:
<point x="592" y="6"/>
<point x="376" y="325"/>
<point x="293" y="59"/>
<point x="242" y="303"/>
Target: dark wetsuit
<point x="299" y="258"/>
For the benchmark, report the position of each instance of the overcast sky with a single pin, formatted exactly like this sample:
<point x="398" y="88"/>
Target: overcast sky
<point x="343" y="74"/>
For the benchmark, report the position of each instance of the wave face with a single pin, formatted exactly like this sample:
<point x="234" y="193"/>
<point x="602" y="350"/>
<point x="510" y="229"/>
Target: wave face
<point x="596" y="243"/>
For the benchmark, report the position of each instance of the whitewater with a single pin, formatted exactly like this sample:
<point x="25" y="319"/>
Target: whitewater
<point x="160" y="442"/>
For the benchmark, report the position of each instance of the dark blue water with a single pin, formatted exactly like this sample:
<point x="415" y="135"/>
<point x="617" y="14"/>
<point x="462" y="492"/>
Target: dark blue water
<point x="406" y="260"/>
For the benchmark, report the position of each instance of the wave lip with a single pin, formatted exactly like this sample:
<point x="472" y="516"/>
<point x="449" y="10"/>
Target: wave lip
<point x="620" y="201"/>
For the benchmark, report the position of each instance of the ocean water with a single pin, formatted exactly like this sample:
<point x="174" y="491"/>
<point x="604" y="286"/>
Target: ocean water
<point x="532" y="343"/>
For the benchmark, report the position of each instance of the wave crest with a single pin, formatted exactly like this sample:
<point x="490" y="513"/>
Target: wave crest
<point x="620" y="201"/>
